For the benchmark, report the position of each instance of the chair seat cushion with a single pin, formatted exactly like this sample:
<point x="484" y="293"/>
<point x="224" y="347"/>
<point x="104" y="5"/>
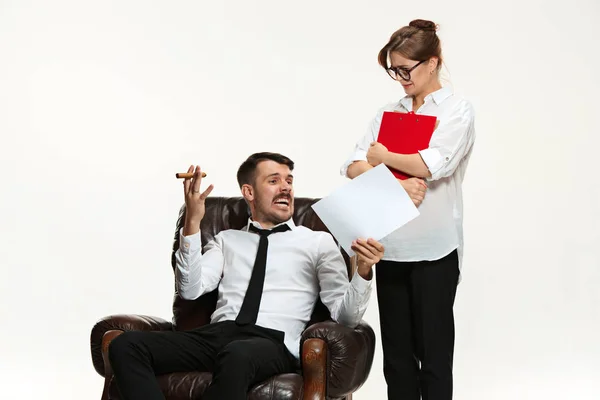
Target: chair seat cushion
<point x="191" y="385"/>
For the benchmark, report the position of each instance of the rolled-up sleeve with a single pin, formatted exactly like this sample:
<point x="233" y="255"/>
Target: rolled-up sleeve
<point x="451" y="141"/>
<point x="362" y="146"/>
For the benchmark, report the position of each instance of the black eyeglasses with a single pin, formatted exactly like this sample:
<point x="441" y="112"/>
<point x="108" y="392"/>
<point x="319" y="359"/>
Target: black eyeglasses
<point x="403" y="73"/>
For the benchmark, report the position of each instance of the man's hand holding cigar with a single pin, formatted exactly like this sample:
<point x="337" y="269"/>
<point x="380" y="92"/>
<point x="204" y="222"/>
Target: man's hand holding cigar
<point x="194" y="200"/>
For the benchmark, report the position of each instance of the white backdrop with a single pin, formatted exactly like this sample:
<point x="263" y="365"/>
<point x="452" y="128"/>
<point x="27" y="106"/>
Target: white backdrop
<point x="102" y="102"/>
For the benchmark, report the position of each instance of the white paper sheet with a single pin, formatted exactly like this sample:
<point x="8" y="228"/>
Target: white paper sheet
<point x="372" y="205"/>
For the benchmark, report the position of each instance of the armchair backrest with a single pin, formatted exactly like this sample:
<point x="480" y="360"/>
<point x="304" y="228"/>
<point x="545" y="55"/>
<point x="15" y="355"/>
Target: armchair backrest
<point x="232" y="213"/>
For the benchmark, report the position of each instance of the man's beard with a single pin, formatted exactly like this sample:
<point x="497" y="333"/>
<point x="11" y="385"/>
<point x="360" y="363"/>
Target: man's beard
<point x="268" y="214"/>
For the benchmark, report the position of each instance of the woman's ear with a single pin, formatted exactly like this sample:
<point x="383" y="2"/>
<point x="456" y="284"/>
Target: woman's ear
<point x="433" y="64"/>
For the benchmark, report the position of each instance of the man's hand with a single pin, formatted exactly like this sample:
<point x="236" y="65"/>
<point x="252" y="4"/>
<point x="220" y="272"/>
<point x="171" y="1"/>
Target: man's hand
<point x="194" y="201"/>
<point x="416" y="188"/>
<point x="376" y="153"/>
<point x="368" y="253"/>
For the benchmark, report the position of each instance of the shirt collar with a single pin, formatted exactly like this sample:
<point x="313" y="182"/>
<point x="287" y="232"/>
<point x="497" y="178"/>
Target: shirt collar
<point x="441" y="94"/>
<point x="289" y="222"/>
<point x="438" y="97"/>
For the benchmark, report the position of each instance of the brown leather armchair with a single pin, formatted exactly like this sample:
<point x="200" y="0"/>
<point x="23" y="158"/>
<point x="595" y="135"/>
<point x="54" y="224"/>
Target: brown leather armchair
<point x="336" y="360"/>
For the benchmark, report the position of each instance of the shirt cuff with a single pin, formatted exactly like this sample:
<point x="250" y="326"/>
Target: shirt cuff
<point x="433" y="159"/>
<point x="359" y="155"/>
<point x="189" y="244"/>
<point x="360" y="284"/>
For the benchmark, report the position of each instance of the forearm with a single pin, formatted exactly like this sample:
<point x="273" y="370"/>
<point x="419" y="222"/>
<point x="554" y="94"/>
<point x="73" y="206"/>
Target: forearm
<point x="191" y="226"/>
<point x="365" y="271"/>
<point x="197" y="273"/>
<point x="354" y="303"/>
<point x="411" y="164"/>
<point x="188" y="275"/>
<point x="357" y="168"/>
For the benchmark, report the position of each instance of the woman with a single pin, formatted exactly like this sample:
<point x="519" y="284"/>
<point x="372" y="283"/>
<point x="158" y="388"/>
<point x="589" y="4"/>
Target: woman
<point x="419" y="273"/>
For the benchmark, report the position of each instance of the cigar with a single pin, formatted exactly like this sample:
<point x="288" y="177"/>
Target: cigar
<point x="185" y="175"/>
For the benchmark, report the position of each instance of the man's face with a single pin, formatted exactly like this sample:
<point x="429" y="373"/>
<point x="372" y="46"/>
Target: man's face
<point x="272" y="195"/>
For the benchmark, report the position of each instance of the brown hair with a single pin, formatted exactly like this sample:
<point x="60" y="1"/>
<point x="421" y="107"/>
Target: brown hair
<point x="417" y="41"/>
<point x="246" y="171"/>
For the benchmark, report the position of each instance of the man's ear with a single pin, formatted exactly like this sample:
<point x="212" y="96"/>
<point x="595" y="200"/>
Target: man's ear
<point x="248" y="192"/>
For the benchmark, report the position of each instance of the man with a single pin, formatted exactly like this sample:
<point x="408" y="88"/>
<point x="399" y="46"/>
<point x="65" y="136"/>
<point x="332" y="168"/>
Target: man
<point x="263" y="304"/>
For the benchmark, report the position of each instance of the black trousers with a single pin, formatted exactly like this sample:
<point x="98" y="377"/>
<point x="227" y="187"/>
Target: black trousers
<point x="416" y="302"/>
<point x="238" y="357"/>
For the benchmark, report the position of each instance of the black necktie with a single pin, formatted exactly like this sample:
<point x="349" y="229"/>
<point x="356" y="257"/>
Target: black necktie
<point x="249" y="311"/>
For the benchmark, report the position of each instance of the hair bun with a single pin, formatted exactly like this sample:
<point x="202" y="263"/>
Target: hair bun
<point x="423" y="25"/>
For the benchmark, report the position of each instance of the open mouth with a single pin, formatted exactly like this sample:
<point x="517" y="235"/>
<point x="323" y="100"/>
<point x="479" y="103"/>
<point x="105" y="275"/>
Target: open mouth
<point x="282" y="201"/>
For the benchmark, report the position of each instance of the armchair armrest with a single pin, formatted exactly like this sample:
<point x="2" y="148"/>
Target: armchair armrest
<point x="336" y="359"/>
<point x="120" y="323"/>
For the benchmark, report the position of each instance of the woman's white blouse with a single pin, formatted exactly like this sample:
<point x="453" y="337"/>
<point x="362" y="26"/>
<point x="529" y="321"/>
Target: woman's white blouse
<point x="437" y="231"/>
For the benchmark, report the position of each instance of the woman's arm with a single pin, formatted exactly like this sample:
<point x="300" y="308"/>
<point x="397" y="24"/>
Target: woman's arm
<point x="410" y="164"/>
<point x="449" y="144"/>
<point x="357" y="163"/>
<point x="357" y="168"/>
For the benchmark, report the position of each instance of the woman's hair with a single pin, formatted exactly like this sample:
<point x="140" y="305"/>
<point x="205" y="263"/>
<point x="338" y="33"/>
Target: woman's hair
<point x="418" y="41"/>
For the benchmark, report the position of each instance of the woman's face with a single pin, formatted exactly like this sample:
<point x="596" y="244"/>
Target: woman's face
<point x="420" y="74"/>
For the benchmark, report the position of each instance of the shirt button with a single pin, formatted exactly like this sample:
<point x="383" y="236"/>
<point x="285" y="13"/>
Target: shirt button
<point x="186" y="245"/>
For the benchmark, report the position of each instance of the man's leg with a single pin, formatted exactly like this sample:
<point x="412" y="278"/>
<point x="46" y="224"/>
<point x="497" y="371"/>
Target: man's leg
<point x="399" y="364"/>
<point x="434" y="288"/>
<point x="243" y="363"/>
<point x="137" y="357"/>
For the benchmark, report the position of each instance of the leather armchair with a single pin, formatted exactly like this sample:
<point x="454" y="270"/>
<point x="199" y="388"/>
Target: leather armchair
<point x="335" y="360"/>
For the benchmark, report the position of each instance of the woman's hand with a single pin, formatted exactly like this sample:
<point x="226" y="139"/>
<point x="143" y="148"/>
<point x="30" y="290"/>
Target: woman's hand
<point x="416" y="188"/>
<point x="376" y="154"/>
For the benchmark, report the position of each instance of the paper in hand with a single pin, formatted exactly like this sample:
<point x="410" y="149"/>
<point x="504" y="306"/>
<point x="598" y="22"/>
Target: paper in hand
<point x="372" y="205"/>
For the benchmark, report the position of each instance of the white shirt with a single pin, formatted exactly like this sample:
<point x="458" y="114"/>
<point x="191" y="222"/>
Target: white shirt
<point x="301" y="265"/>
<point x="437" y="231"/>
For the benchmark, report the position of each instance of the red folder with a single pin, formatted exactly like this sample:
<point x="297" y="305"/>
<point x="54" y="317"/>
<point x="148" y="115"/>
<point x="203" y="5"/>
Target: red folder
<point x="405" y="133"/>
